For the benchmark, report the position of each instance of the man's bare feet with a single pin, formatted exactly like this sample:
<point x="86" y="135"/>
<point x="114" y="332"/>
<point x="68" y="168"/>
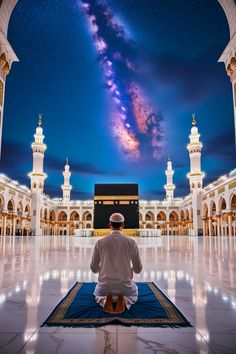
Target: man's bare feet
<point x="108" y="308"/>
<point x="120" y="306"/>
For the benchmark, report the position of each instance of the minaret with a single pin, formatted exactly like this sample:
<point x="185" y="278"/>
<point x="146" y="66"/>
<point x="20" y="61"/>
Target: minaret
<point x="195" y="176"/>
<point x="66" y="187"/>
<point x="37" y="177"/>
<point x="169" y="186"/>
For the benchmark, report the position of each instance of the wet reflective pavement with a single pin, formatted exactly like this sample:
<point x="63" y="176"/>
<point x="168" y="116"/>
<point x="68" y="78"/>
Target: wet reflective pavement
<point x="198" y="274"/>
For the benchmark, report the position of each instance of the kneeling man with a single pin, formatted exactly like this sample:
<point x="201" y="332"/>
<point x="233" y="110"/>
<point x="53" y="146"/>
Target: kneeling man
<point x="115" y="258"/>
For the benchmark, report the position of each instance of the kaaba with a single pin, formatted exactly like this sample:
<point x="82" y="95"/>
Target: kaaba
<point x="116" y="198"/>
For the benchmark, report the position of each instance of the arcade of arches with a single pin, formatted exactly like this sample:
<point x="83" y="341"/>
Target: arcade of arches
<point x="218" y="220"/>
<point x="64" y="223"/>
<point x="15" y="220"/>
<point x="168" y="223"/>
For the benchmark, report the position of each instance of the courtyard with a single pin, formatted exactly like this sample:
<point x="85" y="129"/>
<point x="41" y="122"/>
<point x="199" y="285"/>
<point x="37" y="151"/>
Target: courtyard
<point x="197" y="274"/>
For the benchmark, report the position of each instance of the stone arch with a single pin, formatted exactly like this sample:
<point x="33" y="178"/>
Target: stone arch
<point x="182" y="215"/>
<point x="27" y="209"/>
<point x="6" y="7"/>
<point x="149" y="226"/>
<point x="45" y="213"/>
<point x="2" y="202"/>
<point x="62" y="216"/>
<point x="232" y="202"/>
<point x="173" y="216"/>
<point x="229" y="8"/>
<point x="149" y="216"/>
<point x="205" y="211"/>
<point x="52" y="215"/>
<point x="74" y="216"/>
<point x="186" y="214"/>
<point x="161" y="216"/>
<point x="222" y="204"/>
<point x="11" y="205"/>
<point x="233" y="214"/>
<point x="10" y="217"/>
<point x="174" y="223"/>
<point x="212" y="208"/>
<point x="19" y="207"/>
<point x="19" y="220"/>
<point x="74" y="221"/>
<point x="87" y="216"/>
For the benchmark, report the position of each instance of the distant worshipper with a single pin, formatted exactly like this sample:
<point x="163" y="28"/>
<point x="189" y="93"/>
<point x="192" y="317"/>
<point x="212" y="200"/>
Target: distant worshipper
<point x="115" y="258"/>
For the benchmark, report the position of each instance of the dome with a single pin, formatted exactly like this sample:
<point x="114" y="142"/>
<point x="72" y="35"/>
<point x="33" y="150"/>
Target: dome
<point x="194" y="130"/>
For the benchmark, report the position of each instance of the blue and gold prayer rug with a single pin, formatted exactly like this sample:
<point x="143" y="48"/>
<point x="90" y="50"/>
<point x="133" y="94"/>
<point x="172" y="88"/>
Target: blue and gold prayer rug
<point x="79" y="309"/>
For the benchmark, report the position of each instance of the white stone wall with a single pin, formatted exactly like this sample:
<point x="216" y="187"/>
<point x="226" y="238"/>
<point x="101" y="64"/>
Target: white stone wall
<point x="12" y="190"/>
<point x="224" y="187"/>
<point x="5" y="12"/>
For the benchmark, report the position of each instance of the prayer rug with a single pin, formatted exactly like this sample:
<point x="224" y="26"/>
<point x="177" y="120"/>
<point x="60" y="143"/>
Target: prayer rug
<point x="79" y="309"/>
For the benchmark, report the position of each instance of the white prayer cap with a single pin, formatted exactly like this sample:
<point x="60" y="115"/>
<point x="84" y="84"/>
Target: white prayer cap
<point x="117" y="217"/>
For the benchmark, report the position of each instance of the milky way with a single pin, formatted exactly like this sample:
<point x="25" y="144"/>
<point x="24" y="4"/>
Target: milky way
<point x="134" y="121"/>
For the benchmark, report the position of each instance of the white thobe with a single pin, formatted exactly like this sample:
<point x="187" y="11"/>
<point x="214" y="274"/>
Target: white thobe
<point x="115" y="258"/>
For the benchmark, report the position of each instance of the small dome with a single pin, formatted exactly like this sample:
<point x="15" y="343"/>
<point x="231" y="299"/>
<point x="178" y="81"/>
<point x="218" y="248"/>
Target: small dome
<point x="194" y="130"/>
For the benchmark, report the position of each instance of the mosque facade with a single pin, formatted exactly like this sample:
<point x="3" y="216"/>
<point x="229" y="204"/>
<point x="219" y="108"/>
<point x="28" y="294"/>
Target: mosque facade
<point x="208" y="210"/>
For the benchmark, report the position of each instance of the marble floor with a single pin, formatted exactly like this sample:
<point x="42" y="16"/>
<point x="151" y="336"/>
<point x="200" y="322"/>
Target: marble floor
<point x="198" y="274"/>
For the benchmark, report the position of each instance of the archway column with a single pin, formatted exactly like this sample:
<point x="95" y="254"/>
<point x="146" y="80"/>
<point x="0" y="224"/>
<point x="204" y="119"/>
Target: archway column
<point x="53" y="226"/>
<point x="168" y="228"/>
<point x="229" y="215"/>
<point x="210" y="225"/>
<point x="204" y="226"/>
<point x="231" y="71"/>
<point x="218" y="220"/>
<point x="21" y="224"/>
<point x="4" y="223"/>
<point x="14" y="217"/>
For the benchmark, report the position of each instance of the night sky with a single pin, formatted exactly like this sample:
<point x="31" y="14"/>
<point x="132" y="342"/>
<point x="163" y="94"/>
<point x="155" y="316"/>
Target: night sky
<point x="117" y="83"/>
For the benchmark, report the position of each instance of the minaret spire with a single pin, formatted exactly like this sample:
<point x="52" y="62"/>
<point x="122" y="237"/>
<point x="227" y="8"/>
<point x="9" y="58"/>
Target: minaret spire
<point x="169" y="186"/>
<point x="37" y="176"/>
<point x="195" y="175"/>
<point x="40" y="120"/>
<point x="66" y="187"/>
<point x="194" y="122"/>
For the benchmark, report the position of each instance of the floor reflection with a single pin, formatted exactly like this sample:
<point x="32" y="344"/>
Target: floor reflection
<point x="197" y="274"/>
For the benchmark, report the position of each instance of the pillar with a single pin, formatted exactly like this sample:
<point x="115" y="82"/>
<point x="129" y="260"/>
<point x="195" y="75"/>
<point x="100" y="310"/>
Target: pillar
<point x="68" y="227"/>
<point x="204" y="226"/>
<point x="6" y="59"/>
<point x="168" y="229"/>
<point x="14" y="217"/>
<point x="218" y="220"/>
<point x="229" y="215"/>
<point x="21" y="225"/>
<point x="4" y="223"/>
<point x="210" y="225"/>
<point x="231" y="71"/>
